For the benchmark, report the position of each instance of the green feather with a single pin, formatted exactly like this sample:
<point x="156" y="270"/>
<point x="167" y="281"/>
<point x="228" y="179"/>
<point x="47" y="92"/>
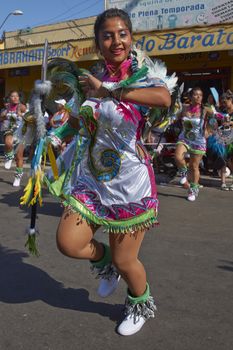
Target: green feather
<point x="31" y="244"/>
<point x="64" y="76"/>
<point x="62" y="65"/>
<point x="141" y="73"/>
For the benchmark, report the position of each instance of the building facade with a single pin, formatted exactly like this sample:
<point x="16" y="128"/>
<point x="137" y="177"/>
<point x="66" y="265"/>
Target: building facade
<point x="200" y="55"/>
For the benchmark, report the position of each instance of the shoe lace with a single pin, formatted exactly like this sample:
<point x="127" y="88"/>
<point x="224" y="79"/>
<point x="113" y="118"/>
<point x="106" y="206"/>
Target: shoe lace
<point x="145" y="309"/>
<point x="107" y="272"/>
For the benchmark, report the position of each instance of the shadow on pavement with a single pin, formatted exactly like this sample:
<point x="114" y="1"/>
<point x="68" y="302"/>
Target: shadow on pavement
<point x="12" y="199"/>
<point x="24" y="283"/>
<point x="228" y="265"/>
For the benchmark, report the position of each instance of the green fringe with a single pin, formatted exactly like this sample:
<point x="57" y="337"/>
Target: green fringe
<point x="141" y="73"/>
<point x="117" y="228"/>
<point x="31" y="245"/>
<point x="142" y="222"/>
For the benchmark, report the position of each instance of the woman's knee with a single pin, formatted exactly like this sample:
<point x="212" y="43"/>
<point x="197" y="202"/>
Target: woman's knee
<point x="179" y="156"/>
<point x="9" y="145"/>
<point x="69" y="245"/>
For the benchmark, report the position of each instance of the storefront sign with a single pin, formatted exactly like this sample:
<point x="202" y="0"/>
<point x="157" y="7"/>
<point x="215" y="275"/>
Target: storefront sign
<point x="74" y="51"/>
<point x="164" y="14"/>
<point x="186" y="41"/>
<point x="181" y="41"/>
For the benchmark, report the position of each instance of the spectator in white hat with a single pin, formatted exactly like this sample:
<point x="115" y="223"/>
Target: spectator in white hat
<point x="61" y="116"/>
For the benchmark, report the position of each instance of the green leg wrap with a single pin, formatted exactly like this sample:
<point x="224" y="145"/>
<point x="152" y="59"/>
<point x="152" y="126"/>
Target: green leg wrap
<point x="142" y="299"/>
<point x="9" y="155"/>
<point x="105" y="260"/>
<point x="183" y="171"/>
<point x="194" y="186"/>
<point x="19" y="170"/>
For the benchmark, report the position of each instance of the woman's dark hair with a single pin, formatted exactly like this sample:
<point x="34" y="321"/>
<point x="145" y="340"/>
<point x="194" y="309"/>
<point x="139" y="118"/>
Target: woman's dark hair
<point x="196" y="88"/>
<point x="229" y="95"/>
<point x="111" y="13"/>
<point x="13" y="92"/>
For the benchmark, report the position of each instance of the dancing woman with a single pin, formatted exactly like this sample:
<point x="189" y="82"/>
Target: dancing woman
<point x="105" y="176"/>
<point x="192" y="140"/>
<point x="11" y="119"/>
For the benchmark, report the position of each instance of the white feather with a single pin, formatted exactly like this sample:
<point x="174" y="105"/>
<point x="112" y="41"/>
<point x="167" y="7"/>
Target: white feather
<point x="110" y="117"/>
<point x="158" y="69"/>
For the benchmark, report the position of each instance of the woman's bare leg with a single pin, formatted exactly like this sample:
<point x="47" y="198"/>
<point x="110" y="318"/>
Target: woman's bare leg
<point x="9" y="150"/>
<point x="8" y="140"/>
<point x="124" y="250"/>
<point x="223" y="175"/>
<point x="19" y="156"/>
<point x="194" y="172"/>
<point x="180" y="156"/>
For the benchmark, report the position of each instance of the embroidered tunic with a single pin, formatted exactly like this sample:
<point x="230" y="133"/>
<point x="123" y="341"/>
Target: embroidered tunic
<point x="113" y="183"/>
<point x="193" y="134"/>
<point x="105" y="174"/>
<point x="12" y="121"/>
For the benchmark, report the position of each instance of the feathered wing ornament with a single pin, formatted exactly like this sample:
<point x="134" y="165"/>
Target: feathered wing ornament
<point x="33" y="191"/>
<point x="61" y="80"/>
<point x="162" y="117"/>
<point x="64" y="76"/>
<point x="158" y="70"/>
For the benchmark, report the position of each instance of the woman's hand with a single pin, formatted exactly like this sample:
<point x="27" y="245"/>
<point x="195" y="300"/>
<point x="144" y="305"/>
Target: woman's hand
<point x="92" y="86"/>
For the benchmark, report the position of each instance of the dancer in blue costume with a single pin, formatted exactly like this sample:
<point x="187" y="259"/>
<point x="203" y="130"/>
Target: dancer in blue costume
<point x="104" y="176"/>
<point x="220" y="143"/>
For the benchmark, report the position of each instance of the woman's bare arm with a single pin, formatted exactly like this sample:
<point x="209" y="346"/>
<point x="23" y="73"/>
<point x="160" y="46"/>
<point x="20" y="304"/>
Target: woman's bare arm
<point x="151" y="96"/>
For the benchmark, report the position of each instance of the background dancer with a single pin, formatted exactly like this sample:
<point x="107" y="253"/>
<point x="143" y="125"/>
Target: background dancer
<point x="11" y="119"/>
<point x="192" y="140"/>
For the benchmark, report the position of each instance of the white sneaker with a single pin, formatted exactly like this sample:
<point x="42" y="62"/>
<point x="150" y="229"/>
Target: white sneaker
<point x="191" y="197"/>
<point x="108" y="286"/>
<point x="224" y="187"/>
<point x="109" y="279"/>
<point x="193" y="194"/>
<point x="130" y="326"/>
<point x="8" y="163"/>
<point x="17" y="180"/>
<point x="183" y="180"/>
<point x="136" y="316"/>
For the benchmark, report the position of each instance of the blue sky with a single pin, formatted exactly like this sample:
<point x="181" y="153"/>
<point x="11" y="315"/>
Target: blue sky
<point x="40" y="12"/>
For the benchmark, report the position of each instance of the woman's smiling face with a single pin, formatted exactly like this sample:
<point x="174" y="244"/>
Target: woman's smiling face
<point x="114" y="41"/>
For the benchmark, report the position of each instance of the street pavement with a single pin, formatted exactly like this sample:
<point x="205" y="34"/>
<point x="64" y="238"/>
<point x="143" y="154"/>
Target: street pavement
<point x="50" y="302"/>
